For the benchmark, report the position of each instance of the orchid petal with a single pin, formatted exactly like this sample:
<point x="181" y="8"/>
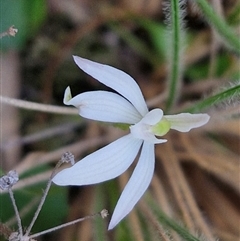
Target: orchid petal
<point x="144" y="133"/>
<point x="103" y="106"/>
<point x="142" y="130"/>
<point x="102" y="165"/>
<point x="152" y="117"/>
<point x="184" y="122"/>
<point x="136" y="186"/>
<point x="115" y="79"/>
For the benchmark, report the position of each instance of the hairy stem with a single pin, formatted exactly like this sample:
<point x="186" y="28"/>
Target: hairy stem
<point x="228" y="94"/>
<point x="176" y="42"/>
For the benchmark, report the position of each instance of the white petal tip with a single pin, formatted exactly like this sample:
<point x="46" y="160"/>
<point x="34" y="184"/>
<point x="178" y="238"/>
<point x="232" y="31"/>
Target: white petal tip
<point x="67" y="96"/>
<point x="206" y="118"/>
<point x="80" y="62"/>
<point x="112" y="225"/>
<point x="201" y="119"/>
<point x="57" y="181"/>
<point x="63" y="178"/>
<point x="75" y="58"/>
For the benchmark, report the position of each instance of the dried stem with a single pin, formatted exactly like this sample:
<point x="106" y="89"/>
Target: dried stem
<point x="68" y="224"/>
<point x="42" y="199"/>
<point x="20" y="230"/>
<point x="38" y="107"/>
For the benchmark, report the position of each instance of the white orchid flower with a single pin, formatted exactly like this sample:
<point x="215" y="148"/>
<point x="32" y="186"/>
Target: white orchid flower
<point x="127" y="107"/>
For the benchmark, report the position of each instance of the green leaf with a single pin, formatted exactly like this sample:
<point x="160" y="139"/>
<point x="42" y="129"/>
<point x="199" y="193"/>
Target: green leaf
<point x="226" y="95"/>
<point x="26" y="16"/>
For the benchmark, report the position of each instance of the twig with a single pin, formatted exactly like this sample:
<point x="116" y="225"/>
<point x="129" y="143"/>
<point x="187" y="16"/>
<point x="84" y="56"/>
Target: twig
<point x="42" y="199"/>
<point x="37" y="106"/>
<point x="16" y="212"/>
<point x="103" y="214"/>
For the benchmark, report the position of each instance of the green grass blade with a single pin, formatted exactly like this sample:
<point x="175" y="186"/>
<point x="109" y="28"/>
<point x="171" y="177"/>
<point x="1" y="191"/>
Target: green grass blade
<point x="172" y="224"/>
<point x="226" y="95"/>
<point x="219" y="24"/>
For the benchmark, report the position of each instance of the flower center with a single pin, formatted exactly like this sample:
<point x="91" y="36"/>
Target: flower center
<point x="151" y="125"/>
<point x="161" y="128"/>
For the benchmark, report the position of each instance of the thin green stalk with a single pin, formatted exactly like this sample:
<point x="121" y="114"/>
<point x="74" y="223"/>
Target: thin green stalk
<point x="219" y="24"/>
<point x="176" y="42"/>
<point x="228" y="94"/>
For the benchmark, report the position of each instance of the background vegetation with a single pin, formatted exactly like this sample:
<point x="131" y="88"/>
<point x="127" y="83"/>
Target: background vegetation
<point x="185" y="57"/>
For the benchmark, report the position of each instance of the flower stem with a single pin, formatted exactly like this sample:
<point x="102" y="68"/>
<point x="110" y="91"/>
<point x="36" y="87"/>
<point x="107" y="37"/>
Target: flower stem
<point x="176" y="42"/>
<point x="20" y="230"/>
<point x="220" y="25"/>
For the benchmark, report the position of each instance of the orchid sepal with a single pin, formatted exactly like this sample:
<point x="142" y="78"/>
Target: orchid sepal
<point x="102" y="165"/>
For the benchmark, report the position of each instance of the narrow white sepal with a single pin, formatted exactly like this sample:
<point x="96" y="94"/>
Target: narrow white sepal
<point x="104" y="106"/>
<point x="102" y="165"/>
<point x="116" y="79"/>
<point x="136" y="186"/>
<point x="184" y="122"/>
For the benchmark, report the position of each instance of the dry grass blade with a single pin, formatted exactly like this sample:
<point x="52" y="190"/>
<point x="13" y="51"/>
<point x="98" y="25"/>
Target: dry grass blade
<point x="183" y="193"/>
<point x="214" y="159"/>
<point x="216" y="203"/>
